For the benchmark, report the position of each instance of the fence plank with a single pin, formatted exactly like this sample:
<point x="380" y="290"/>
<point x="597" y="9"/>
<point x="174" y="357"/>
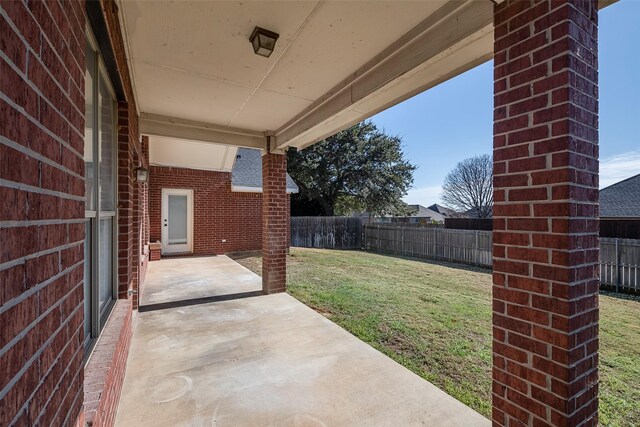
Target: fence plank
<point x="471" y="247"/>
<point x="619" y="263"/>
<point x="329" y="232"/>
<point x="619" y="258"/>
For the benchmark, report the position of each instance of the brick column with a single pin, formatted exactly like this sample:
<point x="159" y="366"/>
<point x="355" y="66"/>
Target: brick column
<point x="274" y="223"/>
<point x="545" y="240"/>
<point x="126" y="206"/>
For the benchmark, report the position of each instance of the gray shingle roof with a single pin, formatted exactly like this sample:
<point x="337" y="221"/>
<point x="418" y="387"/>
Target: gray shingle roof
<point x="423" y="212"/>
<point x="621" y="199"/>
<point x="444" y="211"/>
<point x="246" y="173"/>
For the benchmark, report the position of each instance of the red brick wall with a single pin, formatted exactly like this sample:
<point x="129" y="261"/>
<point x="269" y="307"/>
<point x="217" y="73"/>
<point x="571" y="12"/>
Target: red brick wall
<point x="219" y="213"/>
<point x="41" y="211"/>
<point x="275" y="222"/>
<point x="545" y="307"/>
<point x="106" y="368"/>
<point x="127" y="260"/>
<point x="143" y="212"/>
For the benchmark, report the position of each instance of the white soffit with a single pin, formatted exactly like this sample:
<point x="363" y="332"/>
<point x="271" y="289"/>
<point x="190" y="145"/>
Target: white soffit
<point x="193" y="60"/>
<point x="191" y="154"/>
<point x="335" y="63"/>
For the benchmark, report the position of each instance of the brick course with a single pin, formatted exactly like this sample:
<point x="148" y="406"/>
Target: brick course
<point x="545" y="308"/>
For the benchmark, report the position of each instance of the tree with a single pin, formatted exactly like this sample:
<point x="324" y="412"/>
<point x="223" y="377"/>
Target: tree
<point x="469" y="186"/>
<point x="358" y="169"/>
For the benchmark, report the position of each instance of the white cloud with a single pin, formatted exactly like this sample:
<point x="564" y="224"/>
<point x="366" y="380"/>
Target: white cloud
<point x="619" y="167"/>
<point x="612" y="169"/>
<point x="425" y="196"/>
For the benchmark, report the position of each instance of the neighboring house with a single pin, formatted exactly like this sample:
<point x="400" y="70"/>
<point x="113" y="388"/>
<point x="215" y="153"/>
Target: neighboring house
<point x="620" y="209"/>
<point x="434" y="214"/>
<point x="621" y="200"/>
<point x="473" y="213"/>
<point x="446" y="212"/>
<point x="217" y="189"/>
<point x="425" y="215"/>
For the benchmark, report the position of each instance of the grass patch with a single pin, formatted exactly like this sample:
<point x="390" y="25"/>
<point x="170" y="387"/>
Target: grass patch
<point x="436" y="320"/>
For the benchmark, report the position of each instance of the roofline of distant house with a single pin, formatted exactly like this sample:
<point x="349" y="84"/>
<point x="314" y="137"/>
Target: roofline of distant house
<point x="612" y="218"/>
<point x="620" y="182"/>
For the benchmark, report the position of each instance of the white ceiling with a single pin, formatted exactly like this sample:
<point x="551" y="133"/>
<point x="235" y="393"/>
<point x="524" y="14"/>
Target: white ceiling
<point x="193" y="60"/>
<point x="191" y="154"/>
<point x="336" y="63"/>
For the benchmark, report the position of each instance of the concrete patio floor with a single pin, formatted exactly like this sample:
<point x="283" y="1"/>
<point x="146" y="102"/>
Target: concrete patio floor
<point x="265" y="360"/>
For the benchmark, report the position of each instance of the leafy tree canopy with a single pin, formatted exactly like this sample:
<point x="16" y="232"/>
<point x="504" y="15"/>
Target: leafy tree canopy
<point x="358" y="169"/>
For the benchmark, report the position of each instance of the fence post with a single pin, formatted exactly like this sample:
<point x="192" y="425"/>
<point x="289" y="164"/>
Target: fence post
<point x="617" y="267"/>
<point x="475" y="249"/>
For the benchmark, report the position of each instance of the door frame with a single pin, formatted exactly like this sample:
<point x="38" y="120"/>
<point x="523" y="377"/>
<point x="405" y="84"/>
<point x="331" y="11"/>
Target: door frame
<point x="182" y="248"/>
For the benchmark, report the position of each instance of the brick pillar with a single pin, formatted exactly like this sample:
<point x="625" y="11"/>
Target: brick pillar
<point x="274" y="223"/>
<point x="545" y="239"/>
<point x="126" y="265"/>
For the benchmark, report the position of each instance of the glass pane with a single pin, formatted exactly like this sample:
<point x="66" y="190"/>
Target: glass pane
<point x="177" y="219"/>
<point x="88" y="130"/>
<point x="107" y="148"/>
<point x="105" y="290"/>
<point x="87" y="282"/>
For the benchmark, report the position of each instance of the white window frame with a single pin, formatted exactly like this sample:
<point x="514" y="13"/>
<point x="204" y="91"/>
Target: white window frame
<point x="99" y="317"/>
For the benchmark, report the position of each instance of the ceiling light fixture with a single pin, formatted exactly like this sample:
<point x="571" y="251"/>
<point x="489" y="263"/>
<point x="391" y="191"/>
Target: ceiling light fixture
<point x="263" y="41"/>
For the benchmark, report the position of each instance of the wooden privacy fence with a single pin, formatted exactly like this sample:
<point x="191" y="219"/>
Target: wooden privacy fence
<point x="620" y="264"/>
<point x="466" y="246"/>
<point x="619" y="258"/>
<point x="330" y="232"/>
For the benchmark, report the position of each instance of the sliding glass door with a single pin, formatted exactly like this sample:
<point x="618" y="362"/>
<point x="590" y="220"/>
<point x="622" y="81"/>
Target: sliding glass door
<point x="100" y="156"/>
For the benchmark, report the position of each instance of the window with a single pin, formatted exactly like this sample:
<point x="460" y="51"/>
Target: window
<point x="100" y="192"/>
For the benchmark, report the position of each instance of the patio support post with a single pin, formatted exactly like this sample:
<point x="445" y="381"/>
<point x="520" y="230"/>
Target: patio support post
<point x="545" y="238"/>
<point x="275" y="228"/>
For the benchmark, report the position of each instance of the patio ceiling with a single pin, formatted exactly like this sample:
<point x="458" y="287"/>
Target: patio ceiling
<point x="336" y="63"/>
<point x="196" y="77"/>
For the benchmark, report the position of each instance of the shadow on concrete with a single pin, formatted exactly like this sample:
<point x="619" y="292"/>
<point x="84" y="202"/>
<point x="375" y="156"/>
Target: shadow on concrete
<point x="197" y="301"/>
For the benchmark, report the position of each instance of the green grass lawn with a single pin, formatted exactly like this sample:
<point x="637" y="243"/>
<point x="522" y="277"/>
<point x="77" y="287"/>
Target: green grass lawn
<point x="435" y="319"/>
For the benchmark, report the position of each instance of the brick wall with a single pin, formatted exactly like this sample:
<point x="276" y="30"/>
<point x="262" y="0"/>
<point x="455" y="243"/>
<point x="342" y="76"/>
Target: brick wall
<point x="275" y="223"/>
<point x="106" y="368"/>
<point x="219" y="213"/>
<point x="127" y="264"/>
<point x="545" y="308"/>
<point x="42" y="211"/>
<point x="143" y="212"/>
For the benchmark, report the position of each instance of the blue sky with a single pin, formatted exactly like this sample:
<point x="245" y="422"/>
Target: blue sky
<point x="454" y="120"/>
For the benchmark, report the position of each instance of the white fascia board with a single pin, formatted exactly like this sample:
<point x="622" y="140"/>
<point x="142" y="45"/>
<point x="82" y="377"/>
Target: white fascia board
<point x="172" y="127"/>
<point x="449" y="26"/>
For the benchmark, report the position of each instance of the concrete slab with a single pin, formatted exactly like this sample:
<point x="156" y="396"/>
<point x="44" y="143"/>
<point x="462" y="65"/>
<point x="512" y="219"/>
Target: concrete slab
<point x="177" y="279"/>
<point x="265" y="361"/>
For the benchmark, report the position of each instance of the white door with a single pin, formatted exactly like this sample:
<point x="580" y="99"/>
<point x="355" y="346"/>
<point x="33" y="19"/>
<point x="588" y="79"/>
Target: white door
<point x="177" y="220"/>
